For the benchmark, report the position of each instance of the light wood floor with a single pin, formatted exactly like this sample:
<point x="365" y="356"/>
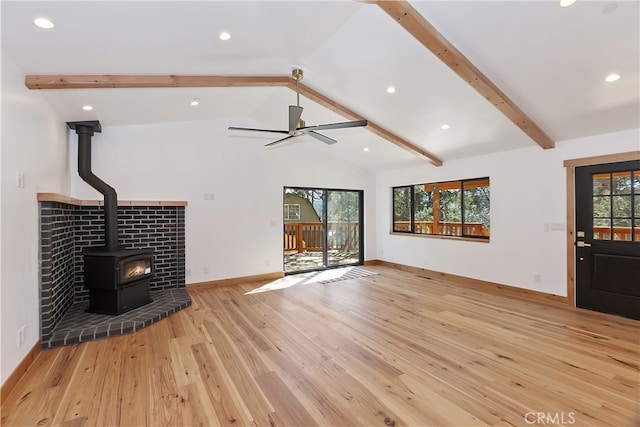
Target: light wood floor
<point x="389" y="349"/>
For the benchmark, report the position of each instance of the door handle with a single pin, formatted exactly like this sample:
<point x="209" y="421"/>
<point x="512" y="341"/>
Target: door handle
<point x="581" y="244"/>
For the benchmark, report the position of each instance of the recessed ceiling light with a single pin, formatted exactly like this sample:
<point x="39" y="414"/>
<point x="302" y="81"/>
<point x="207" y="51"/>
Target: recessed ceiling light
<point x="43" y="23"/>
<point x="612" y="77"/>
<point x="444" y="126"/>
<point x="194" y="102"/>
<point x="87" y="108"/>
<point x="365" y="149"/>
<point x="224" y="36"/>
<point x="567" y="3"/>
<point x="391" y="89"/>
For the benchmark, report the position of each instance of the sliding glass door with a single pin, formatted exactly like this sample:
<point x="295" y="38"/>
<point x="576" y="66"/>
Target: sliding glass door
<point x="322" y="228"/>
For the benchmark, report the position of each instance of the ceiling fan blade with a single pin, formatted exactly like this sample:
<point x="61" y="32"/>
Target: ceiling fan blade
<point x="280" y="140"/>
<point x="259" y="130"/>
<point x="352" y="124"/>
<point x="322" y="137"/>
<point x="295" y="113"/>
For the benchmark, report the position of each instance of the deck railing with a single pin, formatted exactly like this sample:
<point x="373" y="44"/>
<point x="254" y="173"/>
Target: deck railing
<point x="444" y="228"/>
<point x="308" y="236"/>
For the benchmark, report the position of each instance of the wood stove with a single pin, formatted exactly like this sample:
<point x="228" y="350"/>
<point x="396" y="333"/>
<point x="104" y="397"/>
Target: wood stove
<point x="117" y="278"/>
<point x="118" y="281"/>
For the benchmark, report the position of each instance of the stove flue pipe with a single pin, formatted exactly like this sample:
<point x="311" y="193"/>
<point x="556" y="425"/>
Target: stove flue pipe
<point x="85" y="131"/>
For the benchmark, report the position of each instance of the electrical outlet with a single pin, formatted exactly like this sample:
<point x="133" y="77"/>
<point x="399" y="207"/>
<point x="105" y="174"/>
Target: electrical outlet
<point x="206" y="270"/>
<point x="537" y="278"/>
<point x="188" y="272"/>
<point x="266" y="263"/>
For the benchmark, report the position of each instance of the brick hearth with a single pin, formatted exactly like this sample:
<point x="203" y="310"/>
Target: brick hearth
<point x="67" y="226"/>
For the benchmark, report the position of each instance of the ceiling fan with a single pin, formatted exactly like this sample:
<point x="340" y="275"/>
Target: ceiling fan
<point x="297" y="126"/>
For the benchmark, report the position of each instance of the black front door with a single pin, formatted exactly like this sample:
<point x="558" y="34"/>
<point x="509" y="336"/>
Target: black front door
<point x="608" y="238"/>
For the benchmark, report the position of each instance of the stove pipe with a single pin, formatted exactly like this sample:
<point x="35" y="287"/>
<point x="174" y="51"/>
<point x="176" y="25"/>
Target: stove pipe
<point x="85" y="131"/>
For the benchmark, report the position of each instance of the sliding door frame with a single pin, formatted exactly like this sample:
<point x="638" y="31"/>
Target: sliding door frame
<point x="325" y="225"/>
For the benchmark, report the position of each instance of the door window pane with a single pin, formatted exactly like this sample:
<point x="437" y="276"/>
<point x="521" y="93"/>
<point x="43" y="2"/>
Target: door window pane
<point x="622" y="229"/>
<point x="636" y="182"/>
<point x="602" y="184"/>
<point x="622" y="206"/>
<point x="602" y="207"/>
<point x="622" y="183"/>
<point x="602" y="229"/>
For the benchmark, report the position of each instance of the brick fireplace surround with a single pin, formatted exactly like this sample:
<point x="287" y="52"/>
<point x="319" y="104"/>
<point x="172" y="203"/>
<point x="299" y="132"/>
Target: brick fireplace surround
<point x="68" y="225"/>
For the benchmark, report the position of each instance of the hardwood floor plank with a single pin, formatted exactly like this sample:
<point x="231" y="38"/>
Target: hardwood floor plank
<point x="390" y="349"/>
<point x="286" y="405"/>
<point x="246" y="388"/>
<point x="325" y="409"/>
<point x="134" y="385"/>
<point x="226" y="402"/>
<point x="164" y="400"/>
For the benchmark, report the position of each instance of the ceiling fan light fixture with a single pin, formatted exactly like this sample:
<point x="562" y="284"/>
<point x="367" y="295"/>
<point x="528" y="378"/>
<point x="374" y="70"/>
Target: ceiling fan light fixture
<point x="224" y="36"/>
<point x="444" y="126"/>
<point x="391" y="89"/>
<point x="44" y="23"/>
<point x="195" y="102"/>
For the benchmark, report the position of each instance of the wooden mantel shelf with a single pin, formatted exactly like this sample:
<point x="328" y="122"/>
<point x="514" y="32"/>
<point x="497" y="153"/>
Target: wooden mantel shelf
<point x="54" y="197"/>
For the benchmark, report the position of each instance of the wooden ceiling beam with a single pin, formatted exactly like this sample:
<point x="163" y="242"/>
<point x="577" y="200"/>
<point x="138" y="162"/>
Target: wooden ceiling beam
<point x="70" y="81"/>
<point x="148" y="81"/>
<point x="409" y="18"/>
<point x="332" y="105"/>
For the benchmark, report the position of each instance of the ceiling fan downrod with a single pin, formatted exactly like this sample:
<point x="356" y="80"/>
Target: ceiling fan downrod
<point x="297" y="75"/>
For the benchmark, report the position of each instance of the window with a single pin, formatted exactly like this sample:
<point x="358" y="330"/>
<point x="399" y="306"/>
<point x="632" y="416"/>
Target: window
<point x="402" y="209"/>
<point x="292" y="212"/>
<point x="453" y="208"/>
<point x="616" y="206"/>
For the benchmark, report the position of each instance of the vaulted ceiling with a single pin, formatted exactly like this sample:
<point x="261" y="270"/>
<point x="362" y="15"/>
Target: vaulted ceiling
<point x="501" y="75"/>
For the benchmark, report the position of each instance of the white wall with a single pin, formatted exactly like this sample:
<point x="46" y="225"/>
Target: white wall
<point x="528" y="197"/>
<point x="34" y="143"/>
<point x="239" y="232"/>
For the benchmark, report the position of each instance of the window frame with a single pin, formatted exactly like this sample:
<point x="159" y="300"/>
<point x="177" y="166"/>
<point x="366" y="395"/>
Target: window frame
<point x="435" y="188"/>
<point x="411" y="211"/>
